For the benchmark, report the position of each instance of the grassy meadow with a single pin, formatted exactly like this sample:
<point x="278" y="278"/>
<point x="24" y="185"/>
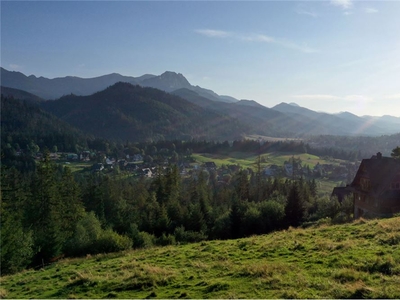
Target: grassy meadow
<point x="248" y="160"/>
<point x="356" y="260"/>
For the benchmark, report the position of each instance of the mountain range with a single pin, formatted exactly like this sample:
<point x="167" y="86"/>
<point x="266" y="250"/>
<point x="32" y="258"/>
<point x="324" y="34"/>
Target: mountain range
<point x="50" y="89"/>
<point x="168" y="105"/>
<point x="131" y="112"/>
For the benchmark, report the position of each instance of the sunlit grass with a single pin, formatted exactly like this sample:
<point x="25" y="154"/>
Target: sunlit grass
<point x="357" y="260"/>
<point x="249" y="159"/>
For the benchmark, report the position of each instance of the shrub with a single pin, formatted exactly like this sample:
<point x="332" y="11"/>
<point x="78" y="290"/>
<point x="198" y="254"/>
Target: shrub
<point x="165" y="240"/>
<point x="110" y="241"/>
<point x="183" y="236"/>
<point x="90" y="238"/>
<point x="87" y="231"/>
<point x="141" y="239"/>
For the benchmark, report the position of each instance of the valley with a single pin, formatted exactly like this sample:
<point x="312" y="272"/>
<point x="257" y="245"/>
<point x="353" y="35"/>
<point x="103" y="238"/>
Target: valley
<point x="200" y="150"/>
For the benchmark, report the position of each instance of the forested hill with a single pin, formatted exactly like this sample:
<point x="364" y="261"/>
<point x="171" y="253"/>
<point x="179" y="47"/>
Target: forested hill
<point x="127" y="112"/>
<point x="20" y="95"/>
<point x="25" y="123"/>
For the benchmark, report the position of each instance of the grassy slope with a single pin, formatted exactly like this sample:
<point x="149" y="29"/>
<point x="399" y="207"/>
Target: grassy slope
<point x="355" y="260"/>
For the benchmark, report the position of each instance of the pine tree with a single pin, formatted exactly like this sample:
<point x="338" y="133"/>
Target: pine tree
<point x="242" y="186"/>
<point x="16" y="241"/>
<point x="396" y="152"/>
<point x="236" y="218"/>
<point x="294" y="210"/>
<point x="71" y="203"/>
<point x="45" y="212"/>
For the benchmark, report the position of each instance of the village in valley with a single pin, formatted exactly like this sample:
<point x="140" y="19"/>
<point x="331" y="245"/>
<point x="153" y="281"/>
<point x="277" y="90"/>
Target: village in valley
<point x="143" y="165"/>
<point x="374" y="183"/>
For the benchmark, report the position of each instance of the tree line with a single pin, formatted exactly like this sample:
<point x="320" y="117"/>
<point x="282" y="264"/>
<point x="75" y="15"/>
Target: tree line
<point x="48" y="213"/>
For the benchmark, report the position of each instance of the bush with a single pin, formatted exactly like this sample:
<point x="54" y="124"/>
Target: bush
<point x="272" y="214"/>
<point x="87" y="231"/>
<point x="141" y="239"/>
<point x="110" y="241"/>
<point x="148" y="240"/>
<point x="183" y="236"/>
<point x="165" y="240"/>
<point x="90" y="238"/>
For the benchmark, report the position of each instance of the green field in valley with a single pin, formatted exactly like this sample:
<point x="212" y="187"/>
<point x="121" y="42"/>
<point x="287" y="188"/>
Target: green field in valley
<point x="356" y="260"/>
<point x="248" y="160"/>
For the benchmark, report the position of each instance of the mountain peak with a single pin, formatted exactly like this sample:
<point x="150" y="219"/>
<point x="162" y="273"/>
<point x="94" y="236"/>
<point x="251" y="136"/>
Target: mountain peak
<point x="248" y="103"/>
<point x="167" y="81"/>
<point x="170" y="73"/>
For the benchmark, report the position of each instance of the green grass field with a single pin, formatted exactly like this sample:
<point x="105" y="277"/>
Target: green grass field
<point x="248" y="160"/>
<point x="357" y="260"/>
<point x="78" y="166"/>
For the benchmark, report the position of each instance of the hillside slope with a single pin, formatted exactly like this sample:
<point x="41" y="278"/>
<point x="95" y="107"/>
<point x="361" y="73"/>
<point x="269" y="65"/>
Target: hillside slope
<point x="23" y="121"/>
<point x="357" y="260"/>
<point x="260" y="119"/>
<point x="316" y="123"/>
<point x="20" y="95"/>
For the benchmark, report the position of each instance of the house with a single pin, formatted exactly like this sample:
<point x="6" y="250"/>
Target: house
<point x="341" y="192"/>
<point x="288" y="169"/>
<point x="54" y="156"/>
<point x="376" y="187"/>
<point x="98" y="167"/>
<point x="72" y="156"/>
<point x="110" y="162"/>
<point x="85" y="156"/>
<point x="146" y="172"/>
<point x="272" y="170"/>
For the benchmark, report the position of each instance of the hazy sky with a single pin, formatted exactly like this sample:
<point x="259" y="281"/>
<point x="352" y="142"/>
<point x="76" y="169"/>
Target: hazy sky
<point x="328" y="56"/>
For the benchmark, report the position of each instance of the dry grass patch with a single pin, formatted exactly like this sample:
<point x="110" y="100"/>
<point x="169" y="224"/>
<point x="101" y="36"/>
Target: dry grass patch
<point x="197" y="264"/>
<point x="3" y="293"/>
<point x="347" y="275"/>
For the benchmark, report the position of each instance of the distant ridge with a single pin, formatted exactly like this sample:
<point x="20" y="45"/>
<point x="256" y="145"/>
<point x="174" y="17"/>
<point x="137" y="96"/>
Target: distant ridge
<point x="282" y="120"/>
<point x="20" y="94"/>
<point x="50" y="89"/>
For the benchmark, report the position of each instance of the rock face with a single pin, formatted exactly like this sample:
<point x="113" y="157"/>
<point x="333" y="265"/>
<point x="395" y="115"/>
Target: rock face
<point x="168" y="82"/>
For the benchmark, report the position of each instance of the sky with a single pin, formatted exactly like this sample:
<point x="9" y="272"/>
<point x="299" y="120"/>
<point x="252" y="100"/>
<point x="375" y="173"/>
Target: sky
<point x="330" y="56"/>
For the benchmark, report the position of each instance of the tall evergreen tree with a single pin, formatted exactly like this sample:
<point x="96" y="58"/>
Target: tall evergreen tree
<point x="16" y="241"/>
<point x="294" y="210"/>
<point x="45" y="211"/>
<point x="71" y="202"/>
